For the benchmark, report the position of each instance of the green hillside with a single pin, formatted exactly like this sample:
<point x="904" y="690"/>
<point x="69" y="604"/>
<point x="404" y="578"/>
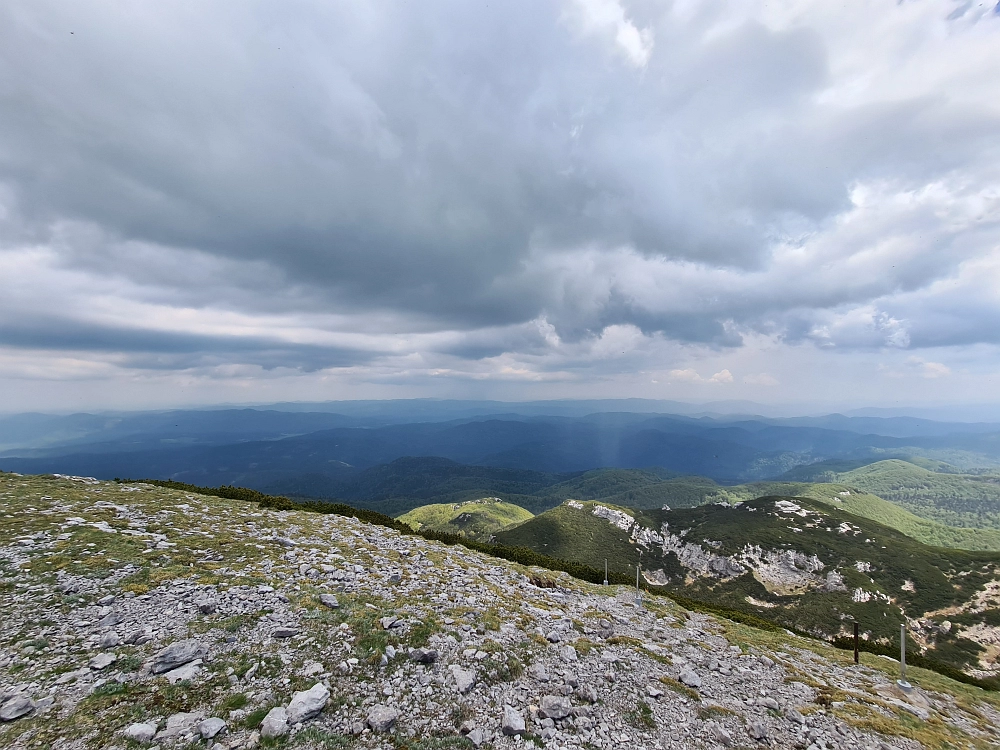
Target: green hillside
<point x="802" y="562"/>
<point x="971" y="500"/>
<point x="475" y="519"/>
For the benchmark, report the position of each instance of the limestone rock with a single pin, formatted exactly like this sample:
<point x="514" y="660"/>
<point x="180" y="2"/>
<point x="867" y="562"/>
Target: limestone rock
<point x="142" y="733"/>
<point x="382" y="718"/>
<point x="177" y="654"/>
<point x="211" y="728"/>
<point x="275" y="724"/>
<point x="16" y="707"/>
<point x="307" y="704"/>
<point x="554" y="707"/>
<point x="512" y="722"/>
<point x="102" y="661"/>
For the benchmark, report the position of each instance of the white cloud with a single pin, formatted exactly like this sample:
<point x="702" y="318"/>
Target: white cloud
<point x="607" y="18"/>
<point x="723" y="376"/>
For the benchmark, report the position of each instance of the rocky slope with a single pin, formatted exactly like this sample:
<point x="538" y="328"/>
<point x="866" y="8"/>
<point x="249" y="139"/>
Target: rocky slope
<point x="139" y="616"/>
<point x="804" y="563"/>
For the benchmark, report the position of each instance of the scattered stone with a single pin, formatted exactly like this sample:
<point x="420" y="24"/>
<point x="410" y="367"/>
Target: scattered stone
<point x="382" y="718"/>
<point x="275" y="724"/>
<point x="111" y="639"/>
<point x="464" y="679"/>
<point x="211" y="728"/>
<point x="423" y="655"/>
<point x="307" y="704"/>
<point x="286" y="632"/>
<point x="207" y="606"/>
<point x="177" y="654"/>
<point x="554" y="707"/>
<point x="512" y="722"/>
<point x="16" y="707"/>
<point x="142" y="733"/>
<point x="329" y="600"/>
<point x="102" y="661"/>
<point x="690" y="678"/>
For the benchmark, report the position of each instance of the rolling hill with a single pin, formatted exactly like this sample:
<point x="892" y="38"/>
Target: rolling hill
<point x="475" y="519"/>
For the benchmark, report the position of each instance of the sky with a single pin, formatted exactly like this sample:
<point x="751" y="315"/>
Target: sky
<point x="245" y="201"/>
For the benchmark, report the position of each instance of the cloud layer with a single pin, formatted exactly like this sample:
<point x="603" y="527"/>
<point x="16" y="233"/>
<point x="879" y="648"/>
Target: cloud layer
<point x="592" y="192"/>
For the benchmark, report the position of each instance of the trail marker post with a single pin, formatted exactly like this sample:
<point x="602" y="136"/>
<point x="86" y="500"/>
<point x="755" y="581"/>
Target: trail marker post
<point x="638" y="595"/>
<point x="901" y="682"/>
<point x="855" y="641"/>
<point x="605" y="571"/>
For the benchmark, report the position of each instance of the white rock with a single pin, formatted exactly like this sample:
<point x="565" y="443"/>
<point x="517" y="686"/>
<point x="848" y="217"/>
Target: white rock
<point x="211" y="728"/>
<point x="512" y="722"/>
<point x="275" y="724"/>
<point x="143" y="733"/>
<point x="464" y="679"/>
<point x="16" y="707"/>
<point x="382" y="718"/>
<point x="102" y="661"/>
<point x="307" y="704"/>
<point x="186" y="673"/>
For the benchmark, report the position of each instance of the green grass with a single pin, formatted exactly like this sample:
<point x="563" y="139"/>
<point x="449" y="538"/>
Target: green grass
<point x="962" y="500"/>
<point x="476" y="519"/>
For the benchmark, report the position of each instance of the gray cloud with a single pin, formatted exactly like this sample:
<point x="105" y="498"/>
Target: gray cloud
<point x="479" y="181"/>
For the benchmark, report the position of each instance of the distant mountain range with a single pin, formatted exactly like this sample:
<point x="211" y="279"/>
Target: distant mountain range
<point x="325" y="455"/>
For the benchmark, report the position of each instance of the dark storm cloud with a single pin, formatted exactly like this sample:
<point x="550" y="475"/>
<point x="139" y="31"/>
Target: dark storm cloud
<point x="427" y="159"/>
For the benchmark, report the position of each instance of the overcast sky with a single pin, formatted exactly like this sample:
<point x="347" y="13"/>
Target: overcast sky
<point x="251" y="201"/>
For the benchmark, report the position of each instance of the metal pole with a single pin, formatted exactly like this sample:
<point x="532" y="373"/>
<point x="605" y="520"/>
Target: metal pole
<point x="903" y="684"/>
<point x="605" y="571"/>
<point x="902" y="651"/>
<point x="855" y="642"/>
<point x="638" y="596"/>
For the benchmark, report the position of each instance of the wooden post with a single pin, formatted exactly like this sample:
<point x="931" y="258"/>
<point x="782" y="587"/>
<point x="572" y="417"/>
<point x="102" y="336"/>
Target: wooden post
<point x="855" y="641"/>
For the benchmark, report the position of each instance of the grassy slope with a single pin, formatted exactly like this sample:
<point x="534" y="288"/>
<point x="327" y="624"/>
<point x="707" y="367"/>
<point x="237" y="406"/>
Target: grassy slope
<point x="954" y="499"/>
<point x="894" y="557"/>
<point x="477" y="519"/>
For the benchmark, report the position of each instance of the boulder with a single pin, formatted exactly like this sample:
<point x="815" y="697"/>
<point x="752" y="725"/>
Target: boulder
<point x="554" y="707"/>
<point x="329" y="600"/>
<point x="16" y="707"/>
<point x="211" y="728"/>
<point x="275" y="724"/>
<point x="307" y="704"/>
<point x="178" y="654"/>
<point x="141" y="733"/>
<point x="382" y="718"/>
<point x="512" y="722"/>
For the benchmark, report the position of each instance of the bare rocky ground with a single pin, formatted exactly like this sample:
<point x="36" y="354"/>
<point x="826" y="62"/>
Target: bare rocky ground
<point x="134" y="616"/>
